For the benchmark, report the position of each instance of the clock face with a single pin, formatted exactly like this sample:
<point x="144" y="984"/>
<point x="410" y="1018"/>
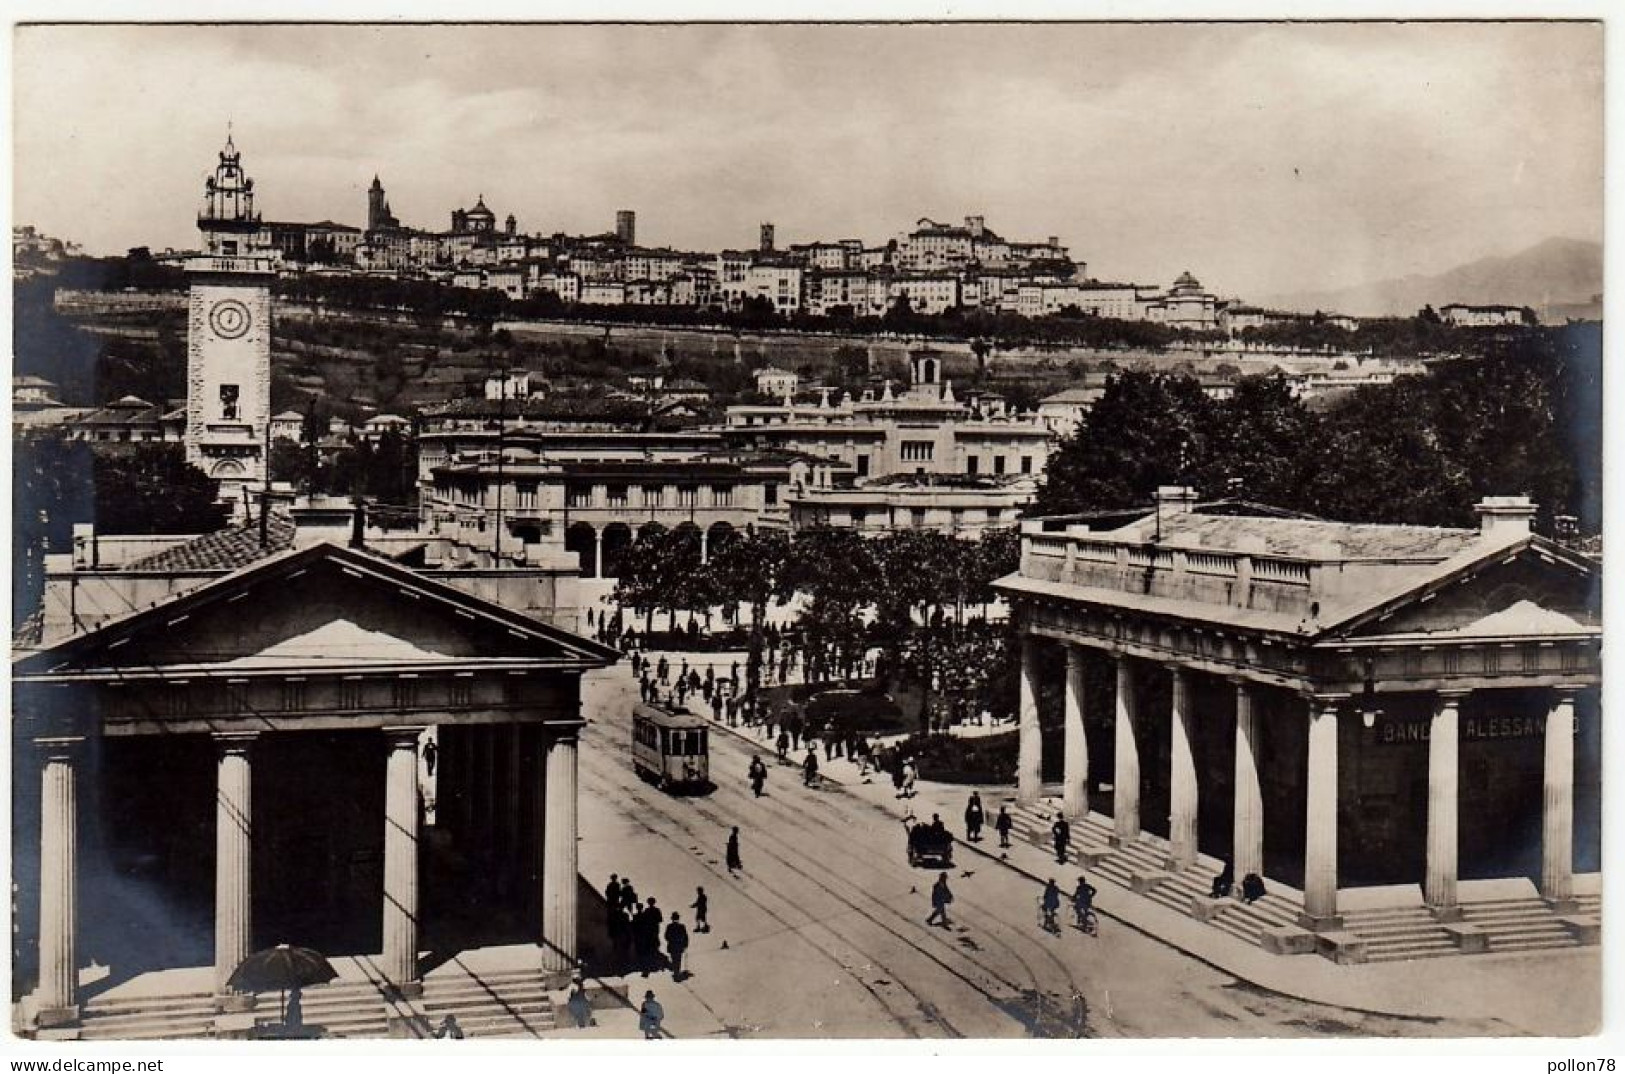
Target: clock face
<point x="229" y="318"/>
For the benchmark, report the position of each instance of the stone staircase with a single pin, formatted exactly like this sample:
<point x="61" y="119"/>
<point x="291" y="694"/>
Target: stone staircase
<point x="513" y="1003"/>
<point x="1388" y="934"/>
<point x="1142" y="867"/>
<point x="503" y="1004"/>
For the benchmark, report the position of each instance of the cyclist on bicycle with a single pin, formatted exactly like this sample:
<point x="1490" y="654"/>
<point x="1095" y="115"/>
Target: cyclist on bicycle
<point x="1051" y="902"/>
<point x="1083" y="897"/>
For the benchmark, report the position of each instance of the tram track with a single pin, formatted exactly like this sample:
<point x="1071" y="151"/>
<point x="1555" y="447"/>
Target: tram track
<point x="1060" y="982"/>
<point x="828" y="942"/>
<point x="1042" y="1002"/>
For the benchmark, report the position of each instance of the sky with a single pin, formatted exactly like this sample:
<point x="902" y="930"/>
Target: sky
<point x="1265" y="158"/>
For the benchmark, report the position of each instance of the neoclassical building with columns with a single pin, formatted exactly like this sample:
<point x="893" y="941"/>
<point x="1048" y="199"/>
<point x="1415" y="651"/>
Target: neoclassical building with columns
<point x="245" y="764"/>
<point x="1329" y="705"/>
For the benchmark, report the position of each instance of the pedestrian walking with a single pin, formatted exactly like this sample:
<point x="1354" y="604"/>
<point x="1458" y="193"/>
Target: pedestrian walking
<point x="809" y="767"/>
<point x="716" y="706"/>
<point x="676" y="945"/>
<point x="650" y="1015"/>
<point x="1062" y="833"/>
<point x="940" y="898"/>
<point x="700" y="905"/>
<point x="612" y="890"/>
<point x="637" y="664"/>
<point x="431" y="754"/>
<point x="734" y="864"/>
<point x="662" y="670"/>
<point x="758" y="776"/>
<point x="783" y="745"/>
<point x="1002" y="824"/>
<point x="973" y="818"/>
<point x="909" y="775"/>
<point x="579" y="1005"/>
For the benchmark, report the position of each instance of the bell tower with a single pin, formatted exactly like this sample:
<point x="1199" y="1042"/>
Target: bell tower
<point x="228" y="336"/>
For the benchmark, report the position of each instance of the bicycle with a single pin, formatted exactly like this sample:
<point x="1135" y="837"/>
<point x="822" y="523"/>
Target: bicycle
<point x="1085" y="920"/>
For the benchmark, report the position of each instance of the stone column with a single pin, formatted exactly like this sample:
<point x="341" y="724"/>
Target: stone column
<point x="1320" y="836"/>
<point x="1182" y="791"/>
<point x="598" y="553"/>
<point x="1248" y="842"/>
<point x="705" y="547"/>
<point x="1557" y="821"/>
<point x="1444" y="767"/>
<point x="400" y="958"/>
<point x="1126" y="777"/>
<point x="1075" y="792"/>
<point x="58" y="991"/>
<point x="1029" y="745"/>
<point x="559" y="856"/>
<point x="233" y="863"/>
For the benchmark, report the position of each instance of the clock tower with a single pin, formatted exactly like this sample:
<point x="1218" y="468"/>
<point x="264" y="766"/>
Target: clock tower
<point x="228" y="336"/>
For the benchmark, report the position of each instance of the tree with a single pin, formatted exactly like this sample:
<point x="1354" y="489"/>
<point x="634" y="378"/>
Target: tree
<point x="1260" y="438"/>
<point x="291" y="462"/>
<point x="153" y="489"/>
<point x="753" y="569"/>
<point x="1146" y="430"/>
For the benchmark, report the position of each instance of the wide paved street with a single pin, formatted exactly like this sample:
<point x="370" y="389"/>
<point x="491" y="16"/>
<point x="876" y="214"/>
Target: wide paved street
<point x="823" y="933"/>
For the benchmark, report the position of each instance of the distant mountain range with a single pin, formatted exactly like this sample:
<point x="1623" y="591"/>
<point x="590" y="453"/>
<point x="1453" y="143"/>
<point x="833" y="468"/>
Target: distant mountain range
<point x="1558" y="279"/>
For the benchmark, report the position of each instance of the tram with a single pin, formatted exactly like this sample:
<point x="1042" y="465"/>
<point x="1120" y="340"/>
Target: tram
<point x="671" y="747"/>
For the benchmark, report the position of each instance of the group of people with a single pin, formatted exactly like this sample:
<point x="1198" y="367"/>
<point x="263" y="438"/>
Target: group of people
<point x="636" y="933"/>
<point x="1252" y="885"/>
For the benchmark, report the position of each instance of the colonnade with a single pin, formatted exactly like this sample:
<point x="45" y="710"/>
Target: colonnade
<point x="1321" y="711"/>
<point x="57" y="992"/>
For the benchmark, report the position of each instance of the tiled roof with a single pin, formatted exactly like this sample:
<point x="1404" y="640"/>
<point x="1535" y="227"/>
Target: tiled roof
<point x="1306" y="539"/>
<point x="222" y="550"/>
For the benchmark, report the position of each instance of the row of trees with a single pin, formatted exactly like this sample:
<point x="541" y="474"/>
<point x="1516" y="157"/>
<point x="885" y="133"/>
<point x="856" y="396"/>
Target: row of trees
<point x="1522" y="417"/>
<point x="909" y="591"/>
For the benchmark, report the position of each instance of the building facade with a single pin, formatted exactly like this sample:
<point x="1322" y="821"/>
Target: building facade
<point x="1328" y="705"/>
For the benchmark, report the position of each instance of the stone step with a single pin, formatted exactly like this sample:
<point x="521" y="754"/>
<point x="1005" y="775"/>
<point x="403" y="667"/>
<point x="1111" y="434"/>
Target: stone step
<point x="186" y="1001"/>
<point x="1530" y="943"/>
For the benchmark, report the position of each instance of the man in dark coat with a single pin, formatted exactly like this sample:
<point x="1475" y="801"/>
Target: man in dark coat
<point x="809" y="767"/>
<point x="701" y="906"/>
<point x="1002" y="824"/>
<point x="734" y="864"/>
<point x="676" y="945"/>
<point x="1062" y="831"/>
<point x="612" y="891"/>
<point x="758" y="776"/>
<point x="652" y="918"/>
<point x="940" y="898"/>
<point x="973" y="818"/>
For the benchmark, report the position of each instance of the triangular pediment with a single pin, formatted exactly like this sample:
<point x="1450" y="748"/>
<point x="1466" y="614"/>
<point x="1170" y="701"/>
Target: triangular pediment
<point x="319" y="610"/>
<point x="1530" y="590"/>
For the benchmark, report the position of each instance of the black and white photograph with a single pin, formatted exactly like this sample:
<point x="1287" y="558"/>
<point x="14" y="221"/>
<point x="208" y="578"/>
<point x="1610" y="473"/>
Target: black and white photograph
<point x="604" y="533"/>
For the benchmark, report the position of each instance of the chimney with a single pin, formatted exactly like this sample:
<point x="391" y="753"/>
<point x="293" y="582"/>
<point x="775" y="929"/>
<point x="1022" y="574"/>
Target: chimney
<point x="1175" y="499"/>
<point x="1505" y="516"/>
